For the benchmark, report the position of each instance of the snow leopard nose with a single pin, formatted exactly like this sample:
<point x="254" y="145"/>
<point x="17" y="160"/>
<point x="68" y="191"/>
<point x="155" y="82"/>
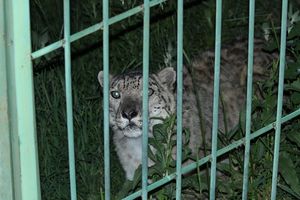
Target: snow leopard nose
<point x="129" y="114"/>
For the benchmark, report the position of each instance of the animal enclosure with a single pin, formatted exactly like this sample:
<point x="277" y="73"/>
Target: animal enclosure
<point x="26" y="149"/>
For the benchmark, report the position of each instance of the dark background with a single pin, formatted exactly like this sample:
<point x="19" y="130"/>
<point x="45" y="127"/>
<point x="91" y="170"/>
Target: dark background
<point x="125" y="53"/>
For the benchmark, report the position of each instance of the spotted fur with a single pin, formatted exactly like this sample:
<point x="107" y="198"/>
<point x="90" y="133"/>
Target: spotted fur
<point x="126" y="109"/>
<point x="126" y="112"/>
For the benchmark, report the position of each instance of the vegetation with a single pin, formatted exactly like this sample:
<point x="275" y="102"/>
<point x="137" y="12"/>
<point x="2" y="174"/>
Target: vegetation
<point x="125" y="52"/>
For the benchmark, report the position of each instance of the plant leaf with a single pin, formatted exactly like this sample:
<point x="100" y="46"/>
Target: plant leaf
<point x="288" y="171"/>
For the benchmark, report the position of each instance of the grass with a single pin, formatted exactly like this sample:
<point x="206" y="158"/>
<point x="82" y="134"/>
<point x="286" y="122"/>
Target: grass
<point x="52" y="135"/>
<point x="126" y="45"/>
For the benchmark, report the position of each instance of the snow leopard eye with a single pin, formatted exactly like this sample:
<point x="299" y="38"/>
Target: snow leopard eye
<point x="150" y="92"/>
<point x="116" y="94"/>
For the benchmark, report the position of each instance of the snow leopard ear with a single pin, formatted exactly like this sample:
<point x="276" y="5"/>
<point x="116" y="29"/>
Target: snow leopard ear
<point x="167" y="77"/>
<point x="100" y="78"/>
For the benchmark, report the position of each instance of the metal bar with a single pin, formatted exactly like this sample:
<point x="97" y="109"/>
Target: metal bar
<point x="56" y="45"/>
<point x="106" y="97"/>
<point x="280" y="96"/>
<point x="249" y="97"/>
<point x="21" y="100"/>
<point x="68" y="82"/>
<point x="216" y="99"/>
<point x="146" y="39"/>
<point x="220" y="152"/>
<point x="179" y="97"/>
<point x="6" y="168"/>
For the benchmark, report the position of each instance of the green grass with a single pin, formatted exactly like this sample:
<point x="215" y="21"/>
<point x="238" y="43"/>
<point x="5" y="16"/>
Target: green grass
<point x="125" y="52"/>
<point x="53" y="152"/>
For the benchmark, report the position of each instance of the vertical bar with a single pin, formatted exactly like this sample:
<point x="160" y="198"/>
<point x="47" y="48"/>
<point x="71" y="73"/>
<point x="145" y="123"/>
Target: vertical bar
<point x="68" y="82"/>
<point x="249" y="97"/>
<point x="280" y="96"/>
<point x="21" y="100"/>
<point x="106" y="97"/>
<point x="216" y="98"/>
<point x="179" y="97"/>
<point x="146" y="39"/>
<point x="6" y="176"/>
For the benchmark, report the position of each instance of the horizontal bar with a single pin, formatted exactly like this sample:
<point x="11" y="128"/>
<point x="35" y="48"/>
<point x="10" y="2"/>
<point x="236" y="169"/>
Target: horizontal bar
<point x="220" y="152"/>
<point x="76" y="36"/>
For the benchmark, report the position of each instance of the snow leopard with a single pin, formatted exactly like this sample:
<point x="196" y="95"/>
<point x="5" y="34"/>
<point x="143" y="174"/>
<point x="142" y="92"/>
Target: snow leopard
<point x="198" y="80"/>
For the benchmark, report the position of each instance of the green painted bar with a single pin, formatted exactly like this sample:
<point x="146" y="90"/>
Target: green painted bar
<point x="21" y="100"/>
<point x="56" y="45"/>
<point x="68" y="82"/>
<point x="6" y="168"/>
<point x="249" y="97"/>
<point x="280" y="96"/>
<point x="146" y="43"/>
<point x="179" y="97"/>
<point x="216" y="99"/>
<point x="106" y="98"/>
<point x="220" y="152"/>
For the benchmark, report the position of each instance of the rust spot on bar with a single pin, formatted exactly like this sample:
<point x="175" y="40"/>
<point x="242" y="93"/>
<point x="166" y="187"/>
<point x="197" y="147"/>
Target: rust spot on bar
<point x="274" y="125"/>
